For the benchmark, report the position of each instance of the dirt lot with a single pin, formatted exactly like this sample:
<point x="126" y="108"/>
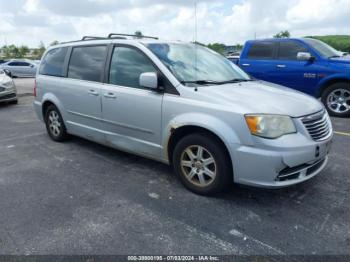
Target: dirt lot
<point x="82" y="198"/>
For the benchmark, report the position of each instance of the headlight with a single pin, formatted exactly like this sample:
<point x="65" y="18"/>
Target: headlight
<point x="8" y="84"/>
<point x="270" y="126"/>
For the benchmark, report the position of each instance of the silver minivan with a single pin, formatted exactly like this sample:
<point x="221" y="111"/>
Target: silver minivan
<point x="185" y="105"/>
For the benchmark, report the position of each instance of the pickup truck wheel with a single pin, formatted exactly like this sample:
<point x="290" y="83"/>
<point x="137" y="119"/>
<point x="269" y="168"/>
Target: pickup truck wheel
<point x="55" y="125"/>
<point x="202" y="164"/>
<point x="336" y="98"/>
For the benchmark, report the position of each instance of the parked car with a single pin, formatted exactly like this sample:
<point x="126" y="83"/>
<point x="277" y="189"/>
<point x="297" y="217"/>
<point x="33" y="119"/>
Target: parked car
<point x="20" y="68"/>
<point x="233" y="57"/>
<point x="2" y="61"/>
<point x="207" y="118"/>
<point x="8" y="92"/>
<point x="305" y="64"/>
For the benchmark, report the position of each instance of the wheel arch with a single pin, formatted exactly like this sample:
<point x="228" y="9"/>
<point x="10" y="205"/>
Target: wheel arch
<point x="178" y="133"/>
<point x="50" y="99"/>
<point x="331" y="81"/>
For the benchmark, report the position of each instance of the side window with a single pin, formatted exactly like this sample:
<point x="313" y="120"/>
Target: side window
<point x="13" y="64"/>
<point x="126" y="66"/>
<point x="53" y="62"/>
<point x="23" y="64"/>
<point x="288" y="50"/>
<point x="261" y="50"/>
<point x="87" y="63"/>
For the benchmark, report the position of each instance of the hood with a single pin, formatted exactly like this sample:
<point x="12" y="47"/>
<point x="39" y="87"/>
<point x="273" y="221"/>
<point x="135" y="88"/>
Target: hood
<point x="4" y="78"/>
<point x="343" y="60"/>
<point x="262" y="97"/>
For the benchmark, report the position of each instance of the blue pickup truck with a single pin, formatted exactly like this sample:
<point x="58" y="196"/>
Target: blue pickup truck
<point x="304" y="64"/>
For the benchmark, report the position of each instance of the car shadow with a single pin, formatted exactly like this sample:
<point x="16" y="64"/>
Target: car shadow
<point x="236" y="193"/>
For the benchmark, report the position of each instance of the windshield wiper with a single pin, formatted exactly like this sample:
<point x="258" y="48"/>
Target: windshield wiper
<point x="236" y="80"/>
<point x="211" y="82"/>
<point x="201" y="82"/>
<point x="334" y="56"/>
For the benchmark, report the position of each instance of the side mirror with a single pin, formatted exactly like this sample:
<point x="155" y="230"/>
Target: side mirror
<point x="8" y="73"/>
<point x="305" y="56"/>
<point x="149" y="80"/>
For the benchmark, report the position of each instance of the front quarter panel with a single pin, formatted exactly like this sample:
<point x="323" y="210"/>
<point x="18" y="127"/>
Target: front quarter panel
<point x="179" y="112"/>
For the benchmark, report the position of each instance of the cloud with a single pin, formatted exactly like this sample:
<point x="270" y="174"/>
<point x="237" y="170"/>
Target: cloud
<point x="227" y="21"/>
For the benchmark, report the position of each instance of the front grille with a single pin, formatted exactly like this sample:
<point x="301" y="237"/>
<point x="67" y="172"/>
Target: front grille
<point x="13" y="95"/>
<point x="315" y="167"/>
<point x="318" y="125"/>
<point x="304" y="170"/>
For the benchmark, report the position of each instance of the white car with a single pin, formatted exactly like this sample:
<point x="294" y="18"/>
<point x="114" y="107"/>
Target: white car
<point x="8" y="91"/>
<point x="20" y="68"/>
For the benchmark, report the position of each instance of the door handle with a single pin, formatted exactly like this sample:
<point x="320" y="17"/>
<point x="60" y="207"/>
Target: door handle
<point x="281" y="66"/>
<point x="245" y="64"/>
<point x="110" y="95"/>
<point x="93" y="92"/>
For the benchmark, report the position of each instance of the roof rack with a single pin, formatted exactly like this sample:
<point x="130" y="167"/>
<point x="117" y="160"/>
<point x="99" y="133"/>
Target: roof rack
<point x="110" y="36"/>
<point x="85" y="38"/>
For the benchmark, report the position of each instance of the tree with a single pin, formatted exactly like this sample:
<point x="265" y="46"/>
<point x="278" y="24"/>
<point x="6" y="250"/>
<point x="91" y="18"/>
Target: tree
<point x="138" y="34"/>
<point x="13" y="52"/>
<point x="282" y="34"/>
<point x="41" y="49"/>
<point x="217" y="47"/>
<point x="54" y="43"/>
<point x="23" y="51"/>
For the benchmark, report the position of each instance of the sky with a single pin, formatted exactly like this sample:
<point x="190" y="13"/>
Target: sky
<point x="27" y="22"/>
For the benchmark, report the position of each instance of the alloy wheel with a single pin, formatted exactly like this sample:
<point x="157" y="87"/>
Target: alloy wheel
<point x="338" y="101"/>
<point x="198" y="165"/>
<point x="54" y="123"/>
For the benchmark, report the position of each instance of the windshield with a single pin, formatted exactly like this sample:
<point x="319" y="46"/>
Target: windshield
<point x="322" y="48"/>
<point x="195" y="64"/>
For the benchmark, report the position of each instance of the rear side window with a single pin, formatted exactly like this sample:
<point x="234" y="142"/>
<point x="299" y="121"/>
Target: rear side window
<point x="19" y="64"/>
<point x="87" y="63"/>
<point x="127" y="65"/>
<point x="261" y="50"/>
<point x="288" y="50"/>
<point x="53" y="62"/>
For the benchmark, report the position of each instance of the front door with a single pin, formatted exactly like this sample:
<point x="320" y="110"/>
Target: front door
<point x="294" y="73"/>
<point x="131" y="114"/>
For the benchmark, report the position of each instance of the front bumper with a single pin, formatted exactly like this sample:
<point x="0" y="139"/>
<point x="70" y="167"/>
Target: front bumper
<point x="287" y="161"/>
<point x="8" y="96"/>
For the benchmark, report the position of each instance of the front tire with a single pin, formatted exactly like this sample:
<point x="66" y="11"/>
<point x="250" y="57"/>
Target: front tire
<point x="55" y="125"/>
<point x="336" y="99"/>
<point x="202" y="164"/>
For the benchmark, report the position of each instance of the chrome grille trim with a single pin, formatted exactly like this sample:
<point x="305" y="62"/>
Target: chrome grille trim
<point x="318" y="126"/>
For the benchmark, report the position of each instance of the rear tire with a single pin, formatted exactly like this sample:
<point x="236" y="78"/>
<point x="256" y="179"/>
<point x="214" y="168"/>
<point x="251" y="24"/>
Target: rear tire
<point x="202" y="164"/>
<point x="55" y="125"/>
<point x="336" y="99"/>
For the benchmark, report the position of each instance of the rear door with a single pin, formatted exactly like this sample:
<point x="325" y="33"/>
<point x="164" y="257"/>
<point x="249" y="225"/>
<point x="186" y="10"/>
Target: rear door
<point x="259" y="61"/>
<point x="81" y="91"/>
<point x="131" y="114"/>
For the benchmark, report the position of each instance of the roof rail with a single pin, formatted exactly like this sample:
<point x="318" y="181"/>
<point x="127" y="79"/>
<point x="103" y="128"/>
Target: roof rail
<point x="92" y="38"/>
<point x="112" y="35"/>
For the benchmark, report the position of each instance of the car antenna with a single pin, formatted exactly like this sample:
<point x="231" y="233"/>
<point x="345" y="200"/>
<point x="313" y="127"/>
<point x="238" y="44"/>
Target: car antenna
<point x="195" y="43"/>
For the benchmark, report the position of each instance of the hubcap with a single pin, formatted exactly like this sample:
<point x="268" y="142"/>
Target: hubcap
<point x="338" y="101"/>
<point x="198" y="165"/>
<point x="54" y="123"/>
